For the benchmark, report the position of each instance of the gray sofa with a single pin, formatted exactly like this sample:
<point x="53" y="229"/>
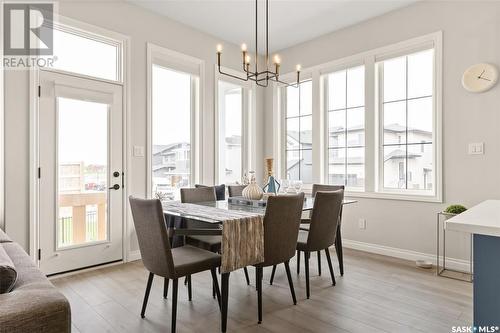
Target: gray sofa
<point x="33" y="304"/>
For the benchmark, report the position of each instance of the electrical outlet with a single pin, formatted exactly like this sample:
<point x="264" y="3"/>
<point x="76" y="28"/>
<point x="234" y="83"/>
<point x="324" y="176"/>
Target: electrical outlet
<point x="476" y="148"/>
<point x="139" y="151"/>
<point x="362" y="224"/>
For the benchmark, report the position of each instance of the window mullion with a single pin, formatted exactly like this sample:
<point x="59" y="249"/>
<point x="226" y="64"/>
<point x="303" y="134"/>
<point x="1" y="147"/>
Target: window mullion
<point x="371" y="131"/>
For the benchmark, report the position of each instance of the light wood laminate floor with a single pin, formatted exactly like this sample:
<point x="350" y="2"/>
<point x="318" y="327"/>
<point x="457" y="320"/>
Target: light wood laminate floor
<point x="376" y="294"/>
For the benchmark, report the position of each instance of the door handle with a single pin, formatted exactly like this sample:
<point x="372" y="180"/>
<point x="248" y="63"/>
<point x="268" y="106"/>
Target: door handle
<point x="115" y="187"/>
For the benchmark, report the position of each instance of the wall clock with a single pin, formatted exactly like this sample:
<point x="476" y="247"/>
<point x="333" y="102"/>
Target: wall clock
<point x="480" y="78"/>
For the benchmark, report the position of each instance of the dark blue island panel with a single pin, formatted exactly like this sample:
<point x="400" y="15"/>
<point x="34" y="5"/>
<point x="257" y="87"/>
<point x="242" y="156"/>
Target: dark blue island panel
<point x="486" y="280"/>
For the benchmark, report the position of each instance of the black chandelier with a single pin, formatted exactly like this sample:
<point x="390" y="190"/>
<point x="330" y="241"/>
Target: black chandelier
<point x="261" y="78"/>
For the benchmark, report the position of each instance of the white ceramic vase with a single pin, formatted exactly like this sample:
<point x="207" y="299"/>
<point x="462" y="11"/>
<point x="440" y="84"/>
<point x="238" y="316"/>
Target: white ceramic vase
<point x="252" y="191"/>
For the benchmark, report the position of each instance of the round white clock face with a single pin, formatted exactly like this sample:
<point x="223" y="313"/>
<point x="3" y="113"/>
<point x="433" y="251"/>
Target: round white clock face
<point x="480" y="78"/>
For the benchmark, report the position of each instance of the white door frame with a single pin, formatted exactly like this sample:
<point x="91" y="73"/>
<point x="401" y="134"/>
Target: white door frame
<point x="34" y="75"/>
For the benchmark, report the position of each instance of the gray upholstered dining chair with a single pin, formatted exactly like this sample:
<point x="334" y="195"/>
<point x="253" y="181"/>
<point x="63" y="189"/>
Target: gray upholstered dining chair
<point x="305" y="225"/>
<point x="160" y="259"/>
<point x="210" y="243"/>
<point x="220" y="190"/>
<point x="322" y="230"/>
<point x="235" y="190"/>
<point x="282" y="218"/>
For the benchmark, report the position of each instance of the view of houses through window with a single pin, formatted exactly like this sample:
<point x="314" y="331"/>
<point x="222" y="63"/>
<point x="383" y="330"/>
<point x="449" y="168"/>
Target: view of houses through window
<point x="171" y="132"/>
<point x="230" y="114"/>
<point x="346" y="127"/>
<point x="298" y="119"/>
<point x="407" y="105"/>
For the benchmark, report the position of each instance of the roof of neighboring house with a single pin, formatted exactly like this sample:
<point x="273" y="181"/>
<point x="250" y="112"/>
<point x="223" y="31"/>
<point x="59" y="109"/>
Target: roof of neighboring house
<point x="305" y="136"/>
<point x="158" y="149"/>
<point x="234" y="140"/>
<point x="399" y="153"/>
<point x="395" y="128"/>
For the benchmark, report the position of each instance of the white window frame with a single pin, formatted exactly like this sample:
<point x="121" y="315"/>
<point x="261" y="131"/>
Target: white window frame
<point x="373" y="132"/>
<point x="176" y="61"/>
<point x="283" y="106"/>
<point x="248" y="128"/>
<point x="354" y="62"/>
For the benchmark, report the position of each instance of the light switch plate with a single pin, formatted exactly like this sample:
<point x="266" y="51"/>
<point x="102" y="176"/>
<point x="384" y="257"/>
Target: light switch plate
<point x="476" y="148"/>
<point x="139" y="151"/>
<point x="362" y="224"/>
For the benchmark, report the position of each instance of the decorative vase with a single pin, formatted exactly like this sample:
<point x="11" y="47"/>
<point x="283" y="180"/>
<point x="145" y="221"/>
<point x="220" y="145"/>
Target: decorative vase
<point x="252" y="191"/>
<point x="272" y="185"/>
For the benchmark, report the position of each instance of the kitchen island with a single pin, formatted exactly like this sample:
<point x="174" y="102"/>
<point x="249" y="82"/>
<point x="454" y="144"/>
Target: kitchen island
<point x="483" y="221"/>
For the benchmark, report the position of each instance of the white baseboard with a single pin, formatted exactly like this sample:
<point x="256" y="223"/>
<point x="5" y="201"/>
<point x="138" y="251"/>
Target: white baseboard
<point x="134" y="255"/>
<point x="451" y="263"/>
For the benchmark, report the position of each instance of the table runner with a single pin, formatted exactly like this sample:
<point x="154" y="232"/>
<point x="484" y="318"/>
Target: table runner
<point x="242" y="232"/>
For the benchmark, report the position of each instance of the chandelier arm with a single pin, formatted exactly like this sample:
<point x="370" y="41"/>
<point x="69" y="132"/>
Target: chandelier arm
<point x="233" y="76"/>
<point x="286" y="84"/>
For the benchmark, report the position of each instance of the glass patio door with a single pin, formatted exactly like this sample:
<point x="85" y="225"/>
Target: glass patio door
<point x="81" y="179"/>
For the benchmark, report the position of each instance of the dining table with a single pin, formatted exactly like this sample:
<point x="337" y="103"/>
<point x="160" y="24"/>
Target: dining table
<point x="216" y="215"/>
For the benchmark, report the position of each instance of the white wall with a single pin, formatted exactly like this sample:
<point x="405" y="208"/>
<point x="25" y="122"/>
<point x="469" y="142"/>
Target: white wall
<point x="141" y="26"/>
<point x="471" y="34"/>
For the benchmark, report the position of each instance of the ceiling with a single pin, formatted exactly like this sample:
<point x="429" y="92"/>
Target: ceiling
<point x="291" y="21"/>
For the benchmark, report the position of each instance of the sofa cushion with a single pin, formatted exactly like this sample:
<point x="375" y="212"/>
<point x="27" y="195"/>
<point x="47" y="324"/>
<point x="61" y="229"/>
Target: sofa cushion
<point x="8" y="273"/>
<point x="3" y="237"/>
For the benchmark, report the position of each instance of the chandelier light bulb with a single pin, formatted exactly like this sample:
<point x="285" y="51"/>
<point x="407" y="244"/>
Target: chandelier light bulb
<point x="244" y="47"/>
<point x="298" y="67"/>
<point x="277" y="59"/>
<point x="219" y="48"/>
<point x="247" y="59"/>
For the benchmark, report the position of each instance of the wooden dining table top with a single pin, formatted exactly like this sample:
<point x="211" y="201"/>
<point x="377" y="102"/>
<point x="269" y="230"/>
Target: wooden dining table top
<point x="225" y="205"/>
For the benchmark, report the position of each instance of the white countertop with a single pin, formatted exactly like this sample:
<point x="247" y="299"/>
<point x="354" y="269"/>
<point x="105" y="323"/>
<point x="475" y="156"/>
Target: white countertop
<point x="483" y="219"/>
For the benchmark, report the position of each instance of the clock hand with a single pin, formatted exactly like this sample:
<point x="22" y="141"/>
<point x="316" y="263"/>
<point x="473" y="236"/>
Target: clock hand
<point x="483" y="78"/>
<point x="480" y="75"/>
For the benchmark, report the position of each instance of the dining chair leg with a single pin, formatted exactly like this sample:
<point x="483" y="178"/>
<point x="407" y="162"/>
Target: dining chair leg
<point x="298" y="262"/>
<point x="213" y="290"/>
<point x="246" y="275"/>
<point x="175" y="285"/>
<point x="319" y="263"/>
<point x="146" y="295"/>
<point x="258" y="282"/>
<point x="224" y="299"/>
<point x="272" y="275"/>
<point x="306" y="259"/>
<point x="165" y="288"/>
<point x="330" y="265"/>
<point x="338" y="249"/>
<point x="215" y="285"/>
<point x="190" y="291"/>
<point x="290" y="282"/>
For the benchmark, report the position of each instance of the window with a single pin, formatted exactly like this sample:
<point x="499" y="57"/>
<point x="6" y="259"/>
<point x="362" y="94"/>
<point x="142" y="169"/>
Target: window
<point x="102" y="58"/>
<point x="346" y="127"/>
<point x="174" y="104"/>
<point x="298" y="122"/>
<point x="407" y="104"/>
<point x="230" y="132"/>
<point x="171" y="131"/>
<point x="377" y="122"/>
